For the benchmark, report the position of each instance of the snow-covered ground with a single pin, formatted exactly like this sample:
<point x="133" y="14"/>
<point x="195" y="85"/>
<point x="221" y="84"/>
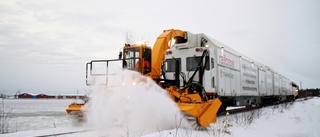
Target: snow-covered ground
<point x="298" y="119"/>
<point x="35" y="114"/>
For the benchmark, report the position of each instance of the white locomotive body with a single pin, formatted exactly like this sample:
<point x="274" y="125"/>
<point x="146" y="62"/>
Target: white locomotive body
<point x="224" y="73"/>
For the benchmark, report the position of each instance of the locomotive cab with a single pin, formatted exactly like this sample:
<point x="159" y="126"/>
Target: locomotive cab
<point x="137" y="57"/>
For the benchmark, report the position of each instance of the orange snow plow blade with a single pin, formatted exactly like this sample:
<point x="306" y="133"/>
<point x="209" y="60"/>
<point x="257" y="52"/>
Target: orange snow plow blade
<point x="205" y="113"/>
<point x="74" y="107"/>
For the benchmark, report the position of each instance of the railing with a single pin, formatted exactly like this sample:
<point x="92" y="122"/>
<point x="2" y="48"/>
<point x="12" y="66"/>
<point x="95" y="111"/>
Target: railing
<point x="101" y="71"/>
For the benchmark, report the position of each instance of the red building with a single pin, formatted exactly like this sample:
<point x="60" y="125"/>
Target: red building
<point x="26" y="95"/>
<point x="42" y="96"/>
<point x="45" y="96"/>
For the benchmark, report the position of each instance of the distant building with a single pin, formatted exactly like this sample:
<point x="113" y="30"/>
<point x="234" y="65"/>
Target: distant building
<point x="48" y="96"/>
<point x="45" y="96"/>
<point x="27" y="95"/>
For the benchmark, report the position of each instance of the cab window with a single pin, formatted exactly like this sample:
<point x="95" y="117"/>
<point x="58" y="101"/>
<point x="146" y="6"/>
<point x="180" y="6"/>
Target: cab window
<point x="131" y="57"/>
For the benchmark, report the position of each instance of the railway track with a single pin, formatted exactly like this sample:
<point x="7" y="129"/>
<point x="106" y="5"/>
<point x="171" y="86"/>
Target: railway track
<point x="63" y="133"/>
<point x="238" y="110"/>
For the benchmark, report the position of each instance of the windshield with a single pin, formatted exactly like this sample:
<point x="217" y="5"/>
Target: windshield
<point x="170" y="65"/>
<point x="193" y="62"/>
<point x="131" y="57"/>
<point x="131" y="53"/>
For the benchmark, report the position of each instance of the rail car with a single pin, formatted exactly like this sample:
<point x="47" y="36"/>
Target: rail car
<point x="224" y="73"/>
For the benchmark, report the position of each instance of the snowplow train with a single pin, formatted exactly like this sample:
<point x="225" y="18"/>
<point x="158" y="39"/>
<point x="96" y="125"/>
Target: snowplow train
<point x="202" y="75"/>
<point x="191" y="99"/>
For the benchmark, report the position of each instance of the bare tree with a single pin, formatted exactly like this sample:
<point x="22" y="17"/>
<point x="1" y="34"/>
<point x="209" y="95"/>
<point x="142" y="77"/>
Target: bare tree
<point x="130" y="39"/>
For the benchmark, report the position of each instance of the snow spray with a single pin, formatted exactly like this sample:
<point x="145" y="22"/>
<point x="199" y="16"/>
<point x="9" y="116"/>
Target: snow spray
<point x="132" y="101"/>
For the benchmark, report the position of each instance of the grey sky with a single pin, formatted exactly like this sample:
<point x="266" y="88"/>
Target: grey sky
<point x="45" y="44"/>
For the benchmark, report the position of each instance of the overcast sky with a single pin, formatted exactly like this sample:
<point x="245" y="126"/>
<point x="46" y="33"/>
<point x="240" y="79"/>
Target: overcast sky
<point x="44" y="44"/>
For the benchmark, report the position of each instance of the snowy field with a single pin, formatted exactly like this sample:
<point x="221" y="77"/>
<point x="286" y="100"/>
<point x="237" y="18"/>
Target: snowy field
<point x="298" y="119"/>
<point x="35" y="114"/>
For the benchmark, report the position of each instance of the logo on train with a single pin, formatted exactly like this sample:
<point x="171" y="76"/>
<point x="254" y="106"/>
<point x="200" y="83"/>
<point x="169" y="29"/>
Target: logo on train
<point x="223" y="60"/>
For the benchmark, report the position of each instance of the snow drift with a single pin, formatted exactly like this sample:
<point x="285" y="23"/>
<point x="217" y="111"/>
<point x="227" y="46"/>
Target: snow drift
<point x="134" y="102"/>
